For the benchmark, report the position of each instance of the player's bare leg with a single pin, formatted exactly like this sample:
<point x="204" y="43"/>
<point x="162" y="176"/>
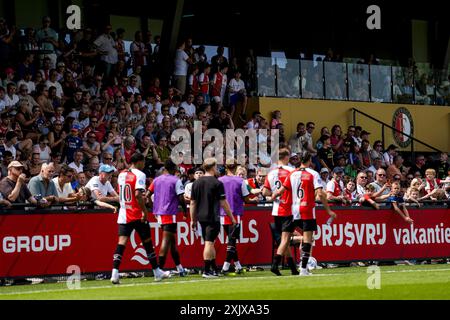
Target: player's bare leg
<point x="209" y="257"/>
<point x="117" y="259"/>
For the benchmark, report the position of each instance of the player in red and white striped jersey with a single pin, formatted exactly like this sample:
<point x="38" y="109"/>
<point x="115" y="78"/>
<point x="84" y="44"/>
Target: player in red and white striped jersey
<point x="284" y="224"/>
<point x="304" y="186"/>
<point x="133" y="216"/>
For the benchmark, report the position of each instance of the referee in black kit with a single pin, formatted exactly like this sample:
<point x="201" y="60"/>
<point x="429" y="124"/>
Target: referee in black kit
<point x="208" y="195"/>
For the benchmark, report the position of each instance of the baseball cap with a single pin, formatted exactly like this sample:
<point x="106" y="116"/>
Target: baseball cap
<point x="9" y="70"/>
<point x="15" y="164"/>
<point x="61" y="64"/>
<point x="106" y="168"/>
<point x="338" y="170"/>
<point x="76" y="127"/>
<point x="324" y="170"/>
<point x="364" y="132"/>
<point x="347" y="144"/>
<point x="294" y="155"/>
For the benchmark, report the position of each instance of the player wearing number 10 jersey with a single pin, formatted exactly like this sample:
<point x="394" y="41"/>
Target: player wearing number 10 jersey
<point x="304" y="186"/>
<point x="133" y="216"/>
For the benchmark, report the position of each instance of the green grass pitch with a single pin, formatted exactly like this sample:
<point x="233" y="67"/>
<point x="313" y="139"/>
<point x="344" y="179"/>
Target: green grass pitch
<point x="420" y="282"/>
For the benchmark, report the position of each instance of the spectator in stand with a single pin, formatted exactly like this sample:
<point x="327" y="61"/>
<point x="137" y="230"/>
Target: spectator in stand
<point x="377" y="152"/>
<point x="77" y="164"/>
<point x="237" y="93"/>
<point x="73" y="143"/>
<point x="63" y="185"/>
<point x="397" y="202"/>
<point x="6" y="160"/>
<point x="298" y="141"/>
<point x="219" y="82"/>
<point x="204" y="83"/>
<point x="30" y="86"/>
<point x="138" y="52"/>
<point x="101" y="187"/>
<point x="43" y="185"/>
<point x="53" y="82"/>
<point x="47" y="38"/>
<point x="350" y="192"/>
<point x="43" y="148"/>
<point x="182" y="62"/>
<point x="324" y="177"/>
<point x="34" y="166"/>
<point x="395" y="167"/>
<point x="255" y="186"/>
<point x="361" y="183"/>
<point x="382" y="187"/>
<point x="189" y="106"/>
<point x="388" y="156"/>
<point x="335" y="138"/>
<point x="335" y="187"/>
<point x="325" y="154"/>
<point x="419" y="166"/>
<point x="218" y="60"/>
<point x="106" y="47"/>
<point x="13" y="187"/>
<point x="276" y="119"/>
<point x="254" y="121"/>
<point x="442" y="166"/>
<point x="11" y="98"/>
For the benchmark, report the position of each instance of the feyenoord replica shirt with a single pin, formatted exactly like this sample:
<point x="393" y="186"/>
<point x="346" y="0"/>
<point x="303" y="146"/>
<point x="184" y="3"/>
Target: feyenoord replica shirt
<point x="129" y="181"/>
<point x="166" y="189"/>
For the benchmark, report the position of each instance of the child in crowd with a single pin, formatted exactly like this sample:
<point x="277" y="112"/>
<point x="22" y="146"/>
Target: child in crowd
<point x="397" y="202"/>
<point x="368" y="198"/>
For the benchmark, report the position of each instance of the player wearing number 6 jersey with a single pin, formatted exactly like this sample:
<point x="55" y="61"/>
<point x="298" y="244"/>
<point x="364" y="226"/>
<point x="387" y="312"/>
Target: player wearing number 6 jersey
<point x="168" y="193"/>
<point x="304" y="186"/>
<point x="284" y="223"/>
<point x="133" y="216"/>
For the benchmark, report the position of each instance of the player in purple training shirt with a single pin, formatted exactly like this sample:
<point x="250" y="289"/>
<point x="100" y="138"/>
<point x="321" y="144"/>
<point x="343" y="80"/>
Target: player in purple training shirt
<point x="168" y="193"/>
<point x="236" y="193"/>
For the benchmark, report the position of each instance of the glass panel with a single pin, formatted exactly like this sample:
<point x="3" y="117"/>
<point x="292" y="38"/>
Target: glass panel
<point x="380" y="81"/>
<point x="288" y="81"/>
<point x="265" y="76"/>
<point x="402" y="83"/>
<point x="312" y="79"/>
<point x="335" y="84"/>
<point x="442" y="78"/>
<point x="358" y="82"/>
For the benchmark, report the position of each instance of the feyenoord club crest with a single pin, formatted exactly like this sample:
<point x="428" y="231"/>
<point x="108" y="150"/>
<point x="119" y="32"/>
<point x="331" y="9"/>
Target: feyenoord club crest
<point x="403" y="122"/>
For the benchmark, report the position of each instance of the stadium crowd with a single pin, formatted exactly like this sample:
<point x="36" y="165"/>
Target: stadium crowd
<point x="72" y="115"/>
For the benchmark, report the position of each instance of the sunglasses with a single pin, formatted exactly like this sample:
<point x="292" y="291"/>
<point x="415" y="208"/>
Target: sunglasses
<point x="107" y="159"/>
<point x="363" y="177"/>
<point x="381" y="175"/>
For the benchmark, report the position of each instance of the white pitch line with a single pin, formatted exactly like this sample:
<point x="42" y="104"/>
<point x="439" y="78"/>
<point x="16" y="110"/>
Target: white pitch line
<point x="202" y="280"/>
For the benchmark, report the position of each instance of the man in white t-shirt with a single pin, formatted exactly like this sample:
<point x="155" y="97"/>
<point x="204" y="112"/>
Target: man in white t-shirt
<point x="106" y="45"/>
<point x="101" y="187"/>
<point x="182" y="61"/>
<point x="76" y="163"/>
<point x="63" y="186"/>
<point x="189" y="106"/>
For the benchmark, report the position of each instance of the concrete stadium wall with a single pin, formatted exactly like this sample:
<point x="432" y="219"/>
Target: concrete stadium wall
<point x="431" y="123"/>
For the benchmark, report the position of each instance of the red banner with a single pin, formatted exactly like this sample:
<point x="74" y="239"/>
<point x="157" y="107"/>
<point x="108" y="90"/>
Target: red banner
<point x="47" y="244"/>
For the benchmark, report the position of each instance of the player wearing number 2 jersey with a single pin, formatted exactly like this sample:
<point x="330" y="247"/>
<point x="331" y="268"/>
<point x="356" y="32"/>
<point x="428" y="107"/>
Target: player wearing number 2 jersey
<point x="281" y="210"/>
<point x="133" y="216"/>
<point x="304" y="186"/>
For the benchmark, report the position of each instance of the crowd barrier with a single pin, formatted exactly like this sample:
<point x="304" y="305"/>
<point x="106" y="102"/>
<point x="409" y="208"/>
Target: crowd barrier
<point x="51" y="242"/>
